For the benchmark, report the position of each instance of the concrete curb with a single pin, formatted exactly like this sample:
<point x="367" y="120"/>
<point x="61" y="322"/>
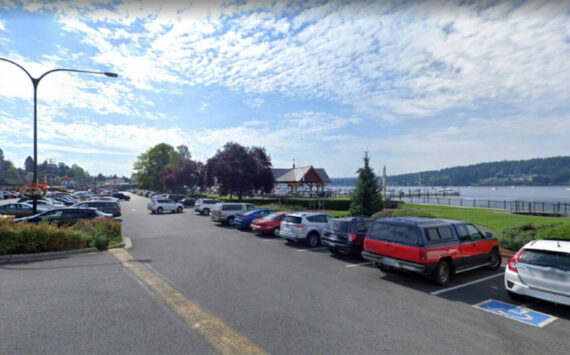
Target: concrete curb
<point x="26" y="258"/>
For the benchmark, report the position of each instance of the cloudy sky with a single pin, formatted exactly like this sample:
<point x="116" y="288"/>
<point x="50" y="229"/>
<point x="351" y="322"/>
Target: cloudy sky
<point x="420" y="85"/>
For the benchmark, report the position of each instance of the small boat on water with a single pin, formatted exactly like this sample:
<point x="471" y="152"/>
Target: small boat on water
<point x="494" y="189"/>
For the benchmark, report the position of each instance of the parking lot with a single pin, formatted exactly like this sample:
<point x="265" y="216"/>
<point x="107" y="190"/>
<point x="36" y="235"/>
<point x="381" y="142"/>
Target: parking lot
<point x="292" y="299"/>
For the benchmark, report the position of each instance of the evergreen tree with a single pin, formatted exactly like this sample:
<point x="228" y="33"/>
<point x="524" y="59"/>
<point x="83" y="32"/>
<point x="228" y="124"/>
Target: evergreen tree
<point x="366" y="199"/>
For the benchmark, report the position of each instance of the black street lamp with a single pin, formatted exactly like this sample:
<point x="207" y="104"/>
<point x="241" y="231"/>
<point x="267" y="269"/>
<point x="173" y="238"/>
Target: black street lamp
<point x="35" y="83"/>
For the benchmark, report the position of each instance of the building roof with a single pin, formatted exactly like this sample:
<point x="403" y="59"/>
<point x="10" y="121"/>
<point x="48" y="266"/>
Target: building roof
<point x="300" y="174"/>
<point x="12" y="178"/>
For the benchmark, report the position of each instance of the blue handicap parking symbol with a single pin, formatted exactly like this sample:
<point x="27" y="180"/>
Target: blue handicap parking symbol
<point x="517" y="313"/>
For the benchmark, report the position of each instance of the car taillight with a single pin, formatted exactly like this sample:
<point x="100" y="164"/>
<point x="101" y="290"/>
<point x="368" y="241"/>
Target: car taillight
<point x="423" y="255"/>
<point x="220" y="214"/>
<point x="351" y="237"/>
<point x="299" y="225"/>
<point x="514" y="262"/>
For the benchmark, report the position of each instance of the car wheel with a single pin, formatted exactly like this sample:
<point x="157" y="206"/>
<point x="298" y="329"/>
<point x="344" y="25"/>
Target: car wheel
<point x="231" y="220"/>
<point x="179" y="210"/>
<point x="313" y="239"/>
<point x="276" y="232"/>
<point x="442" y="274"/>
<point x="495" y="259"/>
<point x="159" y="210"/>
<point x="206" y="212"/>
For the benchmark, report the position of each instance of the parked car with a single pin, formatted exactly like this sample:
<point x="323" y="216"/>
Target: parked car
<point x="20" y="209"/>
<point x="40" y="202"/>
<point x="541" y="269"/>
<point x="2" y="196"/>
<point x="433" y="247"/>
<point x="304" y="226"/>
<point x="243" y="220"/>
<point x="65" y="216"/>
<point x="176" y="198"/>
<point x="188" y="202"/>
<point x="104" y="206"/>
<point x="65" y="202"/>
<point x="164" y="205"/>
<point x="225" y="212"/>
<point x="121" y="196"/>
<point x="346" y="235"/>
<point x="205" y="206"/>
<point x="270" y="224"/>
<point x="147" y="194"/>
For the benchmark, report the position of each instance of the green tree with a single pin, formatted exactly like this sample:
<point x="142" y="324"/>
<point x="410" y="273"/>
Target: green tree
<point x="150" y="163"/>
<point x="366" y="199"/>
<point x="29" y="164"/>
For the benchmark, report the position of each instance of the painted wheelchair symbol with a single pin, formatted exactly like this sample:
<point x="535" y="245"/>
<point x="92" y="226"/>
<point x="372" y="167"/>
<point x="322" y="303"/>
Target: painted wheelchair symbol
<point x="520" y="314"/>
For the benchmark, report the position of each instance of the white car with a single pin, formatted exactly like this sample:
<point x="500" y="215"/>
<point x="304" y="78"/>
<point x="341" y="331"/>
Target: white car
<point x="164" y="205"/>
<point x="304" y="226"/>
<point x="541" y="269"/>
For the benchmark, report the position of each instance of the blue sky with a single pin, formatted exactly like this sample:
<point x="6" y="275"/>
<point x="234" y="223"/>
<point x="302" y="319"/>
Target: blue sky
<point x="420" y="85"/>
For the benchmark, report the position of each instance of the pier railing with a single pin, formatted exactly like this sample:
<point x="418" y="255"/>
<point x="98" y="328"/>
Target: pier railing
<point x="522" y="207"/>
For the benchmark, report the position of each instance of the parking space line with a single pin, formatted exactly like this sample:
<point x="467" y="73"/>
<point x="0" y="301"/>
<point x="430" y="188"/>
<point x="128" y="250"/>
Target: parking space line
<point x="360" y="264"/>
<point x="435" y="293"/>
<point x="311" y="249"/>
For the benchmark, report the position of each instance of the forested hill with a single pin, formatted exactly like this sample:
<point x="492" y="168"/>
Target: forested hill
<point x="541" y="171"/>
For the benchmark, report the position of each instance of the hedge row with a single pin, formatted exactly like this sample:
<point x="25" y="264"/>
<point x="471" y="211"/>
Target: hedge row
<point x="515" y="238"/>
<point x="333" y="204"/>
<point x="25" y="238"/>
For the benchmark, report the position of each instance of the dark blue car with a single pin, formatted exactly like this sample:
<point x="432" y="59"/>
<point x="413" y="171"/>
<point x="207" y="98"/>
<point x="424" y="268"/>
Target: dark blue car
<point x="243" y="220"/>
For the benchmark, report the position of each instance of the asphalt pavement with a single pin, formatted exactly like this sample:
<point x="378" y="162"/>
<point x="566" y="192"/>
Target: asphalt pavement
<point x="284" y="297"/>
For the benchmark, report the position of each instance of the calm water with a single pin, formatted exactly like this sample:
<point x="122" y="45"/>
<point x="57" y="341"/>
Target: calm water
<point x="502" y="193"/>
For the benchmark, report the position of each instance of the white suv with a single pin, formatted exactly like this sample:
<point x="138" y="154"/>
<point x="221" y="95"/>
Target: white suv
<point x="204" y="206"/>
<point x="162" y="205"/>
<point x="304" y="226"/>
<point x="541" y="269"/>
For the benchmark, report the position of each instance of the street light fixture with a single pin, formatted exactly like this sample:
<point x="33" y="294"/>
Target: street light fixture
<point x="35" y="83"/>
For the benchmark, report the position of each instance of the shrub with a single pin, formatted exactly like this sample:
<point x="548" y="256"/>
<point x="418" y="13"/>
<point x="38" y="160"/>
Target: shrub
<point x="24" y="238"/>
<point x="561" y="231"/>
<point x="408" y="212"/>
<point x="383" y="214"/>
<point x="334" y="204"/>
<point x="514" y="238"/>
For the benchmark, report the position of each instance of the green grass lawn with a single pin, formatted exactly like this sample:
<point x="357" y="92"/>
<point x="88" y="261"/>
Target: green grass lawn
<point x="497" y="220"/>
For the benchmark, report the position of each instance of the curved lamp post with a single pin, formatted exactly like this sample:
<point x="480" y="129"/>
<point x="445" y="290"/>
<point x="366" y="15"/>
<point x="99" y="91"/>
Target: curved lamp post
<point x="35" y="83"/>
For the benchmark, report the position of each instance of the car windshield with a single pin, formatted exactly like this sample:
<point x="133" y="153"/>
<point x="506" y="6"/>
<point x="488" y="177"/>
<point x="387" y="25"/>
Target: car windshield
<point x="546" y="258"/>
<point x="270" y="216"/>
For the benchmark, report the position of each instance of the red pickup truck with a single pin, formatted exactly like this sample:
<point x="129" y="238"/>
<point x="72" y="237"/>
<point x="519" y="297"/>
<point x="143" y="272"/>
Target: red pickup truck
<point x="434" y="247"/>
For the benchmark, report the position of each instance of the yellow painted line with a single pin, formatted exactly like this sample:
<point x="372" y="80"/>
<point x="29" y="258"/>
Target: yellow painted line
<point x="222" y="337"/>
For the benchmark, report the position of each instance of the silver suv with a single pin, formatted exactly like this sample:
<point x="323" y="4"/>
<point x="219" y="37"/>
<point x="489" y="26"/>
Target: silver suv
<point x="204" y="206"/>
<point x="305" y="226"/>
<point x="162" y="205"/>
<point x="225" y="212"/>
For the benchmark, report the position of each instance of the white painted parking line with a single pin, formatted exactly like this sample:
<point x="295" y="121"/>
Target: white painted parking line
<point x="310" y="249"/>
<point x="359" y="264"/>
<point x="435" y="293"/>
<point x="134" y="210"/>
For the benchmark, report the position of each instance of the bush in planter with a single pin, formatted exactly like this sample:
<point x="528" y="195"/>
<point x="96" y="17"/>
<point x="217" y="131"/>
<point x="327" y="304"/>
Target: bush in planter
<point x="561" y="231"/>
<point x="514" y="238"/>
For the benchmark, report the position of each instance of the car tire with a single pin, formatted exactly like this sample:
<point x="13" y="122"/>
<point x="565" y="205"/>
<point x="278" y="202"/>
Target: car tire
<point x="276" y="232"/>
<point x="495" y="259"/>
<point x="230" y="221"/>
<point x="442" y="274"/>
<point x="206" y="212"/>
<point x="159" y="210"/>
<point x="179" y="210"/>
<point x="313" y="239"/>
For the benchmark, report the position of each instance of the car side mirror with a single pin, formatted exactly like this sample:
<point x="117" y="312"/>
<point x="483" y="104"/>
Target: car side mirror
<point x="488" y="235"/>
